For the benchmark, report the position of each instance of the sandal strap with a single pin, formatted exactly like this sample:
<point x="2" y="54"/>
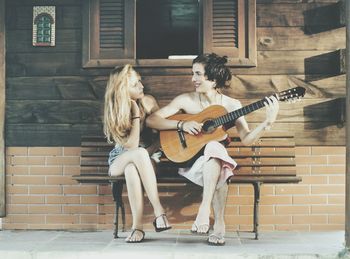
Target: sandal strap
<point x="163" y="216"/>
<point x="139" y="230"/>
<point x="165" y="222"/>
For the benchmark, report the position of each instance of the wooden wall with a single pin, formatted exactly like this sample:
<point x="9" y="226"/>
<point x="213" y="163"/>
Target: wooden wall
<point x="2" y="109"/>
<point x="51" y="100"/>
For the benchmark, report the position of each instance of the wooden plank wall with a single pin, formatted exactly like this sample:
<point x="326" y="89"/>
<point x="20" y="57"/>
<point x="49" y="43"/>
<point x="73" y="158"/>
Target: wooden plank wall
<point x="2" y="109"/>
<point x="51" y="100"/>
<point x="347" y="179"/>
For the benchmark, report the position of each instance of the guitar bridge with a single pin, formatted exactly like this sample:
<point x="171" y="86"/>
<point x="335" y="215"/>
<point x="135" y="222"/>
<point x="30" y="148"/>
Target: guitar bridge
<point x="182" y="138"/>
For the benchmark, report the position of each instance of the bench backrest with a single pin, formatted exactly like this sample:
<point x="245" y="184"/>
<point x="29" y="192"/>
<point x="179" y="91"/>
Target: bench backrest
<point x="272" y="155"/>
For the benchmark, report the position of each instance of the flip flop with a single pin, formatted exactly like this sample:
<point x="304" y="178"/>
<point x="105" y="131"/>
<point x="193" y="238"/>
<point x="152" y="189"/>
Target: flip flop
<point x="157" y="229"/>
<point x="127" y="240"/>
<point x="220" y="240"/>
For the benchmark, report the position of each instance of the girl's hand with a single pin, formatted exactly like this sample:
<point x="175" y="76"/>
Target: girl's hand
<point x="272" y="107"/>
<point x="192" y="127"/>
<point x="135" y="110"/>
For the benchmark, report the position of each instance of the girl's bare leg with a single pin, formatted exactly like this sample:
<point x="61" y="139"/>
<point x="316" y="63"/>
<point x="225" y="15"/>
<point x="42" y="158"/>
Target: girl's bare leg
<point x="211" y="173"/>
<point x="219" y="203"/>
<point x="140" y="158"/>
<point x="135" y="195"/>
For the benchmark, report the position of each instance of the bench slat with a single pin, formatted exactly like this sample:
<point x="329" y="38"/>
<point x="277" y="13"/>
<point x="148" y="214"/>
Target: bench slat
<point x="235" y="179"/>
<point x="272" y="156"/>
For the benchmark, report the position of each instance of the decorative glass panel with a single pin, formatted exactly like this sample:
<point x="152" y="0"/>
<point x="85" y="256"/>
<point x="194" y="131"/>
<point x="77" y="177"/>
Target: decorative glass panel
<point x="44" y="25"/>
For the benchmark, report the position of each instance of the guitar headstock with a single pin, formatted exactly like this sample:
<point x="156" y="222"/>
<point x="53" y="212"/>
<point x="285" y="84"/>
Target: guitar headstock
<point x="291" y="94"/>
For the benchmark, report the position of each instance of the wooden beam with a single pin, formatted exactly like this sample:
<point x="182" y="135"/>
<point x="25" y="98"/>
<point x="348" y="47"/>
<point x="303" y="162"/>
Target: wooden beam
<point x="2" y="109"/>
<point x="347" y="200"/>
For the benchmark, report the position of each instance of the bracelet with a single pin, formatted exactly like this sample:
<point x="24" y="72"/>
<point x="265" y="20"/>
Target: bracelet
<point x="178" y="125"/>
<point x="182" y="126"/>
<point x="133" y="118"/>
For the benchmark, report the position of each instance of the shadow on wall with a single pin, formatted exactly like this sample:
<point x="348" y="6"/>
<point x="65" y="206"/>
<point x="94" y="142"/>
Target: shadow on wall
<point x="324" y="18"/>
<point x="325" y="114"/>
<point x="325" y="65"/>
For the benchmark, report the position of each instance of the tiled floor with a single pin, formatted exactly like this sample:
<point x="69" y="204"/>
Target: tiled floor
<point x="169" y="245"/>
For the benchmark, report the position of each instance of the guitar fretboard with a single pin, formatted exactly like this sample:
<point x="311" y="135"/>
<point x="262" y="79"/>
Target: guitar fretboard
<point x="232" y="116"/>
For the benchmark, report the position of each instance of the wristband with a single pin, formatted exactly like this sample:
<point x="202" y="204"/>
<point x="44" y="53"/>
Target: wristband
<point x="182" y="126"/>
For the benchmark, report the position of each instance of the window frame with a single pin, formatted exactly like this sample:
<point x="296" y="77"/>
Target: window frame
<point x="91" y="57"/>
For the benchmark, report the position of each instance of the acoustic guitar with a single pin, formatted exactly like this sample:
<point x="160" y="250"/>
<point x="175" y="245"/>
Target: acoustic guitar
<point x="179" y="146"/>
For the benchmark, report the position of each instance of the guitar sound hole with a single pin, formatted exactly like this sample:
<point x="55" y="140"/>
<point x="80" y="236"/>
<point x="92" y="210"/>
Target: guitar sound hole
<point x="208" y="126"/>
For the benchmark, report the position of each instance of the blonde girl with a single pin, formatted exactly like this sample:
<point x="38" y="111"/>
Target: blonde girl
<point x="125" y="110"/>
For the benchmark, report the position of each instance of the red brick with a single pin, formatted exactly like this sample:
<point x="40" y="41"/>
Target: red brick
<point x="45" y="170"/>
<point x="311" y="160"/>
<point x="16" y="209"/>
<point x="45" y="190"/>
<point x="45" y="151"/>
<point x="273" y="200"/>
<point x="74" y="209"/>
<point x="336" y="160"/>
<point x="16" y="151"/>
<point x="60" y="180"/>
<point x="327" y="209"/>
<point x="327" y="150"/>
<point x="15" y="189"/>
<point x="32" y="218"/>
<point x="292" y="210"/>
<point x="71" y="170"/>
<point x="22" y="199"/>
<point x="336" y="199"/>
<point x="325" y="189"/>
<point x="71" y="151"/>
<point x="306" y="199"/>
<point x="30" y="180"/>
<point x="328" y="227"/>
<point x="55" y="219"/>
<point x="309" y="219"/>
<point x="63" y="199"/>
<point x="81" y="189"/>
<point x="336" y="219"/>
<point x="299" y="151"/>
<point x="328" y="169"/>
<point x="44" y="209"/>
<point x="17" y="170"/>
<point x="292" y="189"/>
<point x="28" y="160"/>
<point x="63" y="160"/>
<point x="314" y="179"/>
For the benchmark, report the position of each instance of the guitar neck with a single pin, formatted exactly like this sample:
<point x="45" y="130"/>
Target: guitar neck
<point x="232" y="116"/>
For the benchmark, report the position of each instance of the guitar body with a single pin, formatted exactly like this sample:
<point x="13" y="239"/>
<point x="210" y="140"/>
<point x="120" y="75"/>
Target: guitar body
<point x="171" y="142"/>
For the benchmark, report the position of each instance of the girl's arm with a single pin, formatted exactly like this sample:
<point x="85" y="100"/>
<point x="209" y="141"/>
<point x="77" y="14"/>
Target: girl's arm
<point x="249" y="137"/>
<point x="134" y="136"/>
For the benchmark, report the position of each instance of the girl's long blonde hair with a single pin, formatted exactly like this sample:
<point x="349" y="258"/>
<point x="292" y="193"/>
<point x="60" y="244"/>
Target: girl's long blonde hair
<point x="117" y="105"/>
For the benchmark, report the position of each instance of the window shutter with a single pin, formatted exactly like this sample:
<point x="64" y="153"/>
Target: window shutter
<point x="229" y="29"/>
<point x="108" y="32"/>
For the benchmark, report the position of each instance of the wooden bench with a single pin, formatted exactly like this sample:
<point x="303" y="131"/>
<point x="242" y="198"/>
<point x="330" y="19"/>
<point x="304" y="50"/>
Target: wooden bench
<point x="271" y="160"/>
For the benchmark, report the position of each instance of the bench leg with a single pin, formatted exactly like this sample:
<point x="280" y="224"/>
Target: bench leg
<point x="117" y="190"/>
<point x="256" y="208"/>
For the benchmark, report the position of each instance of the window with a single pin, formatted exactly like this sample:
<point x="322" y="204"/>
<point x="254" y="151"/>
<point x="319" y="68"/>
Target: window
<point x="167" y="32"/>
<point x="166" y="28"/>
<point x="44" y="29"/>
